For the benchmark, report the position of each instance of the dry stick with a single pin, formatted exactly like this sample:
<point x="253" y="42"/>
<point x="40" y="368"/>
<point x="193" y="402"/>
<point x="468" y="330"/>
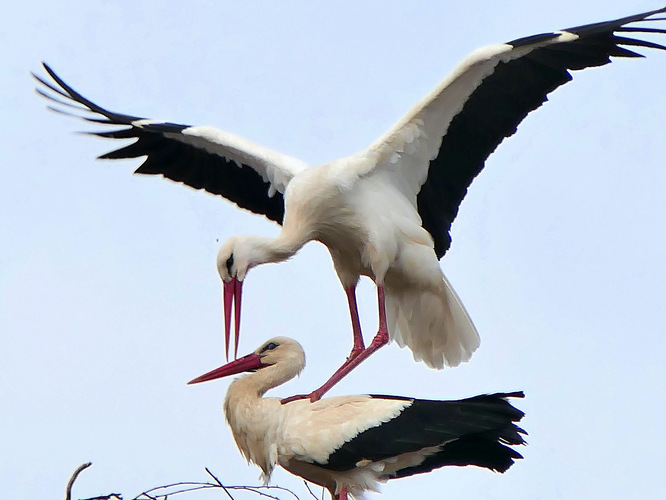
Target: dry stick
<point x="154" y="493"/>
<point x="257" y="490"/>
<point x="112" y="496"/>
<point x="253" y="489"/>
<point x="191" y="486"/>
<point x="75" y="475"/>
<point x="307" y="486"/>
<point x="81" y="468"/>
<point x="194" y="486"/>
<point x="219" y="482"/>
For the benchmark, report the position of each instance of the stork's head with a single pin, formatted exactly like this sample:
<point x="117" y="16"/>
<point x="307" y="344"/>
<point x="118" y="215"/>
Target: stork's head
<point x="284" y="357"/>
<point x="236" y="257"/>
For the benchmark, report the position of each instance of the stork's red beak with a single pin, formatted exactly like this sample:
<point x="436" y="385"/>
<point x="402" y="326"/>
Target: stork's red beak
<point x="232" y="295"/>
<point x="244" y="364"/>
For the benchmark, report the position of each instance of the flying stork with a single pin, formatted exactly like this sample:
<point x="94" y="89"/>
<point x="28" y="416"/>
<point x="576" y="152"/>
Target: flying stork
<point x="384" y="212"/>
<point x="348" y="444"/>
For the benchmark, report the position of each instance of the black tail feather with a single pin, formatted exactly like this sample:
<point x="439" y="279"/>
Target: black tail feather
<point x="488" y="447"/>
<point x="475" y="431"/>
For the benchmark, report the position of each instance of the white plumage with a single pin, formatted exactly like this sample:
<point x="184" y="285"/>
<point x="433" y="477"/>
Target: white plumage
<point x="384" y="212"/>
<point x="349" y="444"/>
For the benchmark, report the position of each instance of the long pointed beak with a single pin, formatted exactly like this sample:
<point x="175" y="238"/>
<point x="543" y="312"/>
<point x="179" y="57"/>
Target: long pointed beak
<point x="240" y="365"/>
<point x="232" y="296"/>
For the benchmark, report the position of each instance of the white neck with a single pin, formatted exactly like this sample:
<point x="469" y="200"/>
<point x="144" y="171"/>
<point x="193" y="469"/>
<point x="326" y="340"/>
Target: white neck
<point x="251" y="251"/>
<point x="265" y="250"/>
<point x="254" y="419"/>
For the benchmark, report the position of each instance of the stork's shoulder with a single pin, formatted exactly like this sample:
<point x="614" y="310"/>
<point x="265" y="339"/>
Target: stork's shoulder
<point x="332" y="178"/>
<point x="312" y="431"/>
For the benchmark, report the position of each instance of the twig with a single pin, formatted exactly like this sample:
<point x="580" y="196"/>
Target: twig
<point x="81" y="468"/>
<point x="75" y="475"/>
<point x="219" y="482"/>
<point x="192" y="486"/>
<point x="257" y="490"/>
<point x="213" y="476"/>
<point x="164" y="492"/>
<point x="156" y="493"/>
<point x="307" y="487"/>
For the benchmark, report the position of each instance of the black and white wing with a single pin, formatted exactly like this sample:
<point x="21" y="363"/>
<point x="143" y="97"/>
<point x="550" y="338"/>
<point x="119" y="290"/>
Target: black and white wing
<point x="433" y="154"/>
<point x="253" y="177"/>
<point x="427" y="435"/>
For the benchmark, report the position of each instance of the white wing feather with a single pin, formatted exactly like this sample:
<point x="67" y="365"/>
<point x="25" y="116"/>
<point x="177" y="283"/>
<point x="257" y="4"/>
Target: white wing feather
<point x="276" y="168"/>
<point x="406" y="150"/>
<point x="312" y="431"/>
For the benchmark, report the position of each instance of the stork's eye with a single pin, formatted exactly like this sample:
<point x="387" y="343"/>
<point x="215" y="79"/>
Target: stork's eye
<point x="230" y="263"/>
<point x="269" y="347"/>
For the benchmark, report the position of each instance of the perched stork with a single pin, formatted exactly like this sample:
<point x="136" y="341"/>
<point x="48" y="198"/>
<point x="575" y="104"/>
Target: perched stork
<point x="384" y="212"/>
<point x="348" y="444"/>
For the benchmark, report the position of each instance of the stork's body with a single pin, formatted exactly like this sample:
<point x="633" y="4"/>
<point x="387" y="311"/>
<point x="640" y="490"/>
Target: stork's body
<point x="337" y="205"/>
<point x="385" y="212"/>
<point x="349" y="444"/>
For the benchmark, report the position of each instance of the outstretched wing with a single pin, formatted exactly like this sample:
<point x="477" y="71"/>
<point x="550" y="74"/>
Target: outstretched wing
<point x="251" y="176"/>
<point x="437" y="149"/>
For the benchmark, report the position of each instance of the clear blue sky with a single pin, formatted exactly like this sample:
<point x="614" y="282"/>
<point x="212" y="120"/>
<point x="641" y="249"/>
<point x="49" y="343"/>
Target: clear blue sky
<point x="109" y="297"/>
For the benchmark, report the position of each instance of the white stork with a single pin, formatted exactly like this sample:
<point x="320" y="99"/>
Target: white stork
<point x="384" y="212"/>
<point x="348" y="444"/>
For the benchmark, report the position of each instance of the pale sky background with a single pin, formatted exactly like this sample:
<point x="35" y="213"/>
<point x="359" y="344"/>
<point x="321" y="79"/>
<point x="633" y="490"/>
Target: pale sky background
<point x="109" y="297"/>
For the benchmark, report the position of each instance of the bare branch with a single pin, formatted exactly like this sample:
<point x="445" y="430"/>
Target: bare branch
<point x="112" y="496"/>
<point x="219" y="482"/>
<point x="307" y="486"/>
<point x="168" y="490"/>
<point x="81" y="468"/>
<point x="75" y="475"/>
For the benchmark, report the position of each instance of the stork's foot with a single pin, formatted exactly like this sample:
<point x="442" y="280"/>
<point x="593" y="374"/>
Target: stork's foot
<point x="380" y="340"/>
<point x="313" y="396"/>
<point x="355" y="352"/>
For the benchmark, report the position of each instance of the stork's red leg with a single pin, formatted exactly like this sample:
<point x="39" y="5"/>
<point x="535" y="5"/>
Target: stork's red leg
<point x="359" y="346"/>
<point x="342" y="495"/>
<point x="380" y="340"/>
<point x="382" y="334"/>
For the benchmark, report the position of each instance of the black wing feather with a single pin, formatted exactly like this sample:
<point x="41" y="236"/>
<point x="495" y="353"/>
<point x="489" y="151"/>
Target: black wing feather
<point x="496" y="108"/>
<point x="174" y="159"/>
<point x="474" y="431"/>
